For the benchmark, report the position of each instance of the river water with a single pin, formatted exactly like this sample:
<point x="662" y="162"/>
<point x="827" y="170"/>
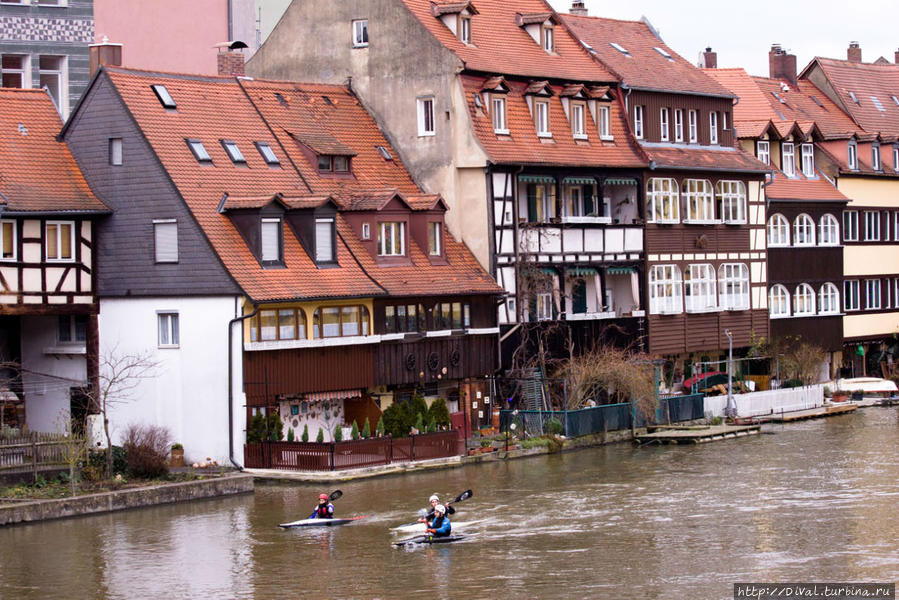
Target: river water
<point x="813" y="501"/>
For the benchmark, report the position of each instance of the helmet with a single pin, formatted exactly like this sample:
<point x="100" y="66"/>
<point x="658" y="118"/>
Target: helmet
<point x="323" y="497"/>
<point x="433" y="498"/>
<point x="440" y="509"/>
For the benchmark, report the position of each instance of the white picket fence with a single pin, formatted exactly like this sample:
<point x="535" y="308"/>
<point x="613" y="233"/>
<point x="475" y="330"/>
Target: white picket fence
<point x="756" y="404"/>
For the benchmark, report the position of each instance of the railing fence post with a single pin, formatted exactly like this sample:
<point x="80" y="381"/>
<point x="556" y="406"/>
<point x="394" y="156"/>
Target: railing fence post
<point x="412" y="448"/>
<point x="332" y="455"/>
<point x="33" y="458"/>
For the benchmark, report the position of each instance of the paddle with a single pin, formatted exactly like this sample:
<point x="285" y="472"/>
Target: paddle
<point x="336" y="494"/>
<point x="460" y="498"/>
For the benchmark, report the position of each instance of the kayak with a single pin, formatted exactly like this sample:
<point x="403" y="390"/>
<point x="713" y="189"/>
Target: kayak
<point x="420" y="527"/>
<point x="319" y="522"/>
<point x="429" y="539"/>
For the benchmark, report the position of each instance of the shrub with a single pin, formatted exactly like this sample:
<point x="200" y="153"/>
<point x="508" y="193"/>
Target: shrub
<point x="290" y="437"/>
<point x="147" y="450"/>
<point x="96" y="463"/>
<point x="305" y="436"/>
<point x="321" y="436"/>
<point x="419" y="423"/>
<point x="397" y="419"/>
<point x="417" y="406"/>
<point x="177" y="446"/>
<point x="354" y="433"/>
<point x="338" y="433"/>
<point x="256" y="430"/>
<point x="439" y="413"/>
<point x="432" y="425"/>
<point x="554" y="426"/>
<point x="379" y="428"/>
<point x="366" y="429"/>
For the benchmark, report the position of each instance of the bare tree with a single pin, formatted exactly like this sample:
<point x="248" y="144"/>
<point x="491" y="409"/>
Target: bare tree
<point x="119" y="374"/>
<point x="74" y="449"/>
<point x="616" y="375"/>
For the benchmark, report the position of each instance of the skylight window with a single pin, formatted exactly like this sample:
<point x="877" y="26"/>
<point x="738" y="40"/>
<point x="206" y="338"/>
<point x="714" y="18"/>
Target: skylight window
<point x="199" y="151"/>
<point x="267" y="154"/>
<point x="877" y="103"/>
<point x="385" y="153"/>
<point x="588" y="47"/>
<point x="620" y="48"/>
<point x="164" y="97"/>
<point x="895" y="99"/>
<point x="779" y="98"/>
<point x="280" y="99"/>
<point x="816" y="101"/>
<point x="234" y="152"/>
<point x="664" y="53"/>
<point x="854" y="97"/>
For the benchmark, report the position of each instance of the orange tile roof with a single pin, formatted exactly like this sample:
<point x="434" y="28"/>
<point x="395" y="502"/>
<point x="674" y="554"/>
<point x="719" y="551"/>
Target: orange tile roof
<point x="871" y="84"/>
<point x="643" y="67"/>
<point x="724" y="158"/>
<point x="522" y="146"/>
<point x="501" y="45"/>
<point x="29" y="152"/>
<point x="802" y="188"/>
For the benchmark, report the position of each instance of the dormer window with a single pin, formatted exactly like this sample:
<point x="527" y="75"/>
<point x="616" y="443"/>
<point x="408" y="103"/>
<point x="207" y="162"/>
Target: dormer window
<point x="852" y="155"/>
<point x="896" y="168"/>
<point x="234" y="152"/>
<point x="465" y="29"/>
<point x="366" y="231"/>
<point x="678" y="125"/>
<point x="763" y="151"/>
<point x="324" y="240"/>
<point x="808" y="160"/>
<point x="788" y="159"/>
<point x="328" y="163"/>
<point x="548" y="38"/>
<point x="164" y="97"/>
<point x="392" y="238"/>
<point x="541" y="118"/>
<point x="663" y="124"/>
<point x="270" y="238"/>
<point x="578" y="120"/>
<point x="199" y="151"/>
<point x="638" y="122"/>
<point x="713" y="127"/>
<point x="875" y="157"/>
<point x="605" y="123"/>
<point x="693" y="124"/>
<point x="435" y="243"/>
<point x="267" y="154"/>
<point x="498" y="108"/>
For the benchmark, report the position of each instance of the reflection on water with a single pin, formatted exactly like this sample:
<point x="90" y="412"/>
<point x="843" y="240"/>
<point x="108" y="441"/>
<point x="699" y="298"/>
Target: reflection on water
<point x="811" y="501"/>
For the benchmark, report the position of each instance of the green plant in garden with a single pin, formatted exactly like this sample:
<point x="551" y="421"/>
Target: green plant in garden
<point x="321" y="436"/>
<point x="379" y="428"/>
<point x="338" y="433"/>
<point x="432" y="425"/>
<point x="290" y="434"/>
<point x="305" y="436"/>
<point x="354" y="432"/>
<point x="366" y="429"/>
<point x="439" y="412"/>
<point x="419" y="423"/>
<point x="397" y="419"/>
<point x="554" y="426"/>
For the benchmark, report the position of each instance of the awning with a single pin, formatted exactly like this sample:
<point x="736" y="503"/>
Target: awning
<point x="325" y="396"/>
<point x="619" y="181"/>
<point x="536" y="179"/>
<point x="579" y="181"/>
<point x="620" y="270"/>
<point x="581" y="271"/>
<point x="549" y="271"/>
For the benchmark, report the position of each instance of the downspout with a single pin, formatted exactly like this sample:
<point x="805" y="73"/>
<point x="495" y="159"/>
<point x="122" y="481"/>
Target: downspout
<point x="231" y="380"/>
<point x="230" y="21"/>
<point x="629" y="90"/>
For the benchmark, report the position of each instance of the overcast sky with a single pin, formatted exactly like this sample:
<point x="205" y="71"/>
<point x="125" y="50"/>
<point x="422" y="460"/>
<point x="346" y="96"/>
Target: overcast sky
<point x="742" y="32"/>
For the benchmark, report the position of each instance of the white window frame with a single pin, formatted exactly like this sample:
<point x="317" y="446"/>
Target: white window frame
<point x="59" y="225"/>
<point x="763" y="151"/>
<point x="829" y="299"/>
<point x="465" y="29"/>
<point x="700" y="288"/>
<point x="24" y="73"/>
<point x="852" y="295"/>
<point x="435" y="238"/>
<point x="544" y="306"/>
<point x="852" y="156"/>
<point x="699" y="199"/>
<point x="788" y="159"/>
<point x="713" y="128"/>
<point x="828" y="230"/>
<point x="896" y="226"/>
<point x="426" y="116"/>
<point x="161" y="252"/>
<point x="168" y="329"/>
<point x="804" y="301"/>
<point x="872" y="226"/>
<point x="366" y="231"/>
<point x="678" y="125"/>
<point x="733" y="282"/>
<point x="397" y="230"/>
<point x="875" y="157"/>
<point x="498" y="106"/>
<point x="605" y="123"/>
<point x="263" y="237"/>
<point x="778" y="302"/>
<point x="332" y="251"/>
<point x="663" y="124"/>
<point x="693" y="125"/>
<point x="731" y="197"/>
<point x="803" y="231"/>
<point x="850" y="225"/>
<point x="579" y="120"/>
<point x="872" y="294"/>
<point x="807" y="152"/>
<point x="665" y="290"/>
<point x="896" y="159"/>
<point x="778" y="231"/>
<point x="638" y="122"/>
<point x="663" y="200"/>
<point x="360" y="33"/>
<point x="541" y="118"/>
<point x="62" y="81"/>
<point x="13" y="233"/>
<point x="548" y="38"/>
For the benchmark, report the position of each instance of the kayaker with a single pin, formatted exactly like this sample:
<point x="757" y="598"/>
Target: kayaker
<point x="324" y="510"/>
<point x="440" y="525"/>
<point x="434" y="500"/>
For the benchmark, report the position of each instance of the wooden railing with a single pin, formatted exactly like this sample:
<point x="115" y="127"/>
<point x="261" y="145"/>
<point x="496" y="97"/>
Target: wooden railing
<point x="33" y="452"/>
<point x="315" y="456"/>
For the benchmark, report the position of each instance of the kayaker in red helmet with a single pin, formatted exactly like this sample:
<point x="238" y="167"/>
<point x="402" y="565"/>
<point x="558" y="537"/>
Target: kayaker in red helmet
<point x="324" y="510"/>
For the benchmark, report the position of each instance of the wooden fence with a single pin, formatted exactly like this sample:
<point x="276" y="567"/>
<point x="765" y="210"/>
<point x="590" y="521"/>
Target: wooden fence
<point x="33" y="452"/>
<point x="332" y="456"/>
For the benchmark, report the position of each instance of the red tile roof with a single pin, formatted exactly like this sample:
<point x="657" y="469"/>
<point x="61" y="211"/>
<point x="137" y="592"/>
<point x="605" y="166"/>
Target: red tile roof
<point x="643" y="67"/>
<point x="802" y="188"/>
<point x="501" y="45"/>
<point x="871" y="84"/>
<point x="522" y="146"/>
<point x="29" y="152"/>
<point x="705" y="158"/>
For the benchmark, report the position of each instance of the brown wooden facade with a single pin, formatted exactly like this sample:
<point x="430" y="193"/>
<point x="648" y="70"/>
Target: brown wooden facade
<point x="653" y="103"/>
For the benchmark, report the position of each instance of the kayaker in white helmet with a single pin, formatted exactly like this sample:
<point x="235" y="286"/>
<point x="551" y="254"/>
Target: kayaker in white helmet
<point x="439" y="525"/>
<point x="434" y="500"/>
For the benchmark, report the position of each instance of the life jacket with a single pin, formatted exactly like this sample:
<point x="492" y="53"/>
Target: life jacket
<point x="322" y="511"/>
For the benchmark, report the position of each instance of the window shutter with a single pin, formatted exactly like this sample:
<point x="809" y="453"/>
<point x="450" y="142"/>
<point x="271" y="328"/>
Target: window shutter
<point x="166" y="242"/>
<point x="324" y="241"/>
<point x="271" y="246"/>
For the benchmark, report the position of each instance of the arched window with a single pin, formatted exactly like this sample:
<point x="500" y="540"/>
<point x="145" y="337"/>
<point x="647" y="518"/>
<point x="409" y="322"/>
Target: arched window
<point x="828" y="299"/>
<point x="699" y="288"/>
<point x="778" y="230"/>
<point x="803" y="231"/>
<point x="828" y="231"/>
<point x="803" y="300"/>
<point x="665" y="293"/>
<point x="733" y="282"/>
<point x="662" y="200"/>
<point x="699" y="200"/>
<point x="340" y="321"/>
<point x="731" y="196"/>
<point x="779" y="301"/>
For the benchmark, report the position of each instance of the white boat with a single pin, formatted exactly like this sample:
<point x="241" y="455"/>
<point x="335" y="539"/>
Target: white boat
<point x="872" y="389"/>
<point x="413" y="528"/>
<point x="319" y="522"/>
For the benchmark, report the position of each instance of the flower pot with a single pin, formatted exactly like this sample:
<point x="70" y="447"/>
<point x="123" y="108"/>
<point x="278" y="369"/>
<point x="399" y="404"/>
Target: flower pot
<point x="177" y="459"/>
<point x="840" y="396"/>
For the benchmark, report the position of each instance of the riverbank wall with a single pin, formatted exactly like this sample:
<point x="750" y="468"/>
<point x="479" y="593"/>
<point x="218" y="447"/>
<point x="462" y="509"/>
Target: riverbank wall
<point x="41" y="510"/>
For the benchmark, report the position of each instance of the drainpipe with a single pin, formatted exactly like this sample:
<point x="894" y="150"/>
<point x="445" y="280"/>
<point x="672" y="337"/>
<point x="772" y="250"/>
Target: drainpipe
<point x="730" y="409"/>
<point x="231" y="384"/>
<point x="629" y="90"/>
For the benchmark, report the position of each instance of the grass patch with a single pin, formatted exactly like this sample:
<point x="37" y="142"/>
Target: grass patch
<point x="53" y="489"/>
<point x="536" y="442"/>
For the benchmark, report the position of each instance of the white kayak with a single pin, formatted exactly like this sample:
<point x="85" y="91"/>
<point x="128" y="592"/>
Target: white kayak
<point x="412" y="528"/>
<point x="320" y="522"/>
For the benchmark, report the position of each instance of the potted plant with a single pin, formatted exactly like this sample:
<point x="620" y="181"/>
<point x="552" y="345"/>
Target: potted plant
<point x="177" y="459"/>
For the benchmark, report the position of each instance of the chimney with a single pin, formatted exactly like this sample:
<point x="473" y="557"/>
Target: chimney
<point x="708" y="59"/>
<point x="896" y="56"/>
<point x="106" y="54"/>
<point x="230" y="60"/>
<point x="781" y="65"/>
<point x="578" y="8"/>
<point x="854" y="53"/>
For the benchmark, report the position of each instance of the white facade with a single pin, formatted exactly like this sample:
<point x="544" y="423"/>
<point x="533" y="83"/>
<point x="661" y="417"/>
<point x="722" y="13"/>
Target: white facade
<point x="189" y="392"/>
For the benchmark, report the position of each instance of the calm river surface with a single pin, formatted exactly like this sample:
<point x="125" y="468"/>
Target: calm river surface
<point x="814" y="501"/>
